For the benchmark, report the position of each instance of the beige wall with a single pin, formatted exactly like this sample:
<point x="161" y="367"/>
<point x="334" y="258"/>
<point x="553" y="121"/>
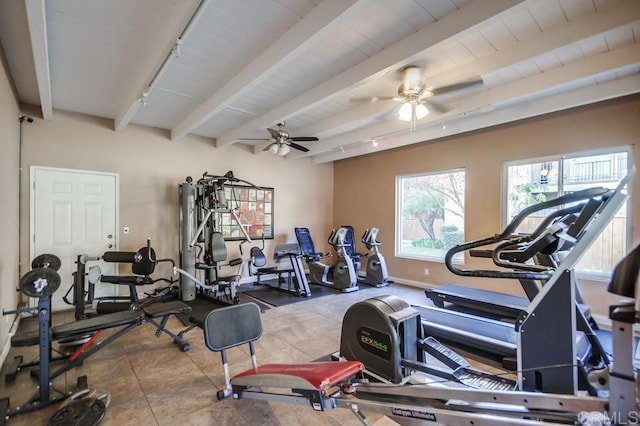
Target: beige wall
<point x="151" y="167"/>
<point x="9" y="146"/>
<point x="365" y="187"/>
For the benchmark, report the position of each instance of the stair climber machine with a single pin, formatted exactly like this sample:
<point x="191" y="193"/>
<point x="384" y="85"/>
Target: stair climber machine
<point x="344" y="271"/>
<point x="203" y="249"/>
<point x="553" y="341"/>
<point x="387" y="366"/>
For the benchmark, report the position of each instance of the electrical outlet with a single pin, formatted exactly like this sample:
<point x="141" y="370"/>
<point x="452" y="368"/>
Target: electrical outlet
<point x="125" y="230"/>
<point x="426" y="271"/>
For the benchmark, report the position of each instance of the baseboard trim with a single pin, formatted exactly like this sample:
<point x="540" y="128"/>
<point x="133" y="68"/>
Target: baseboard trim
<point x="411" y="283"/>
<point x="7" y="345"/>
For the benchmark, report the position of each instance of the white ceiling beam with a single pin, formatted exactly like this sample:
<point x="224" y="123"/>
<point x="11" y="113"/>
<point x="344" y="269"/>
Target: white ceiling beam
<point x="577" y="98"/>
<point x="624" y="13"/>
<point x="158" y="62"/>
<point x="306" y="32"/>
<point x="37" y="21"/>
<point x="465" y="19"/>
<point x="590" y="67"/>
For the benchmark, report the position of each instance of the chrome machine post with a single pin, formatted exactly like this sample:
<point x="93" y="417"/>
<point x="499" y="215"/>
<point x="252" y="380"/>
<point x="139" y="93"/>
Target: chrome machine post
<point x="187" y="215"/>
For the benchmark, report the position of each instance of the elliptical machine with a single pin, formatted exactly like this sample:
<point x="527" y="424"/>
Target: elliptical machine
<point x="345" y="275"/>
<point x="377" y="275"/>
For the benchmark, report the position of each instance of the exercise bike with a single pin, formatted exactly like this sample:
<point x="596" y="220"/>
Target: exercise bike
<point x="345" y="275"/>
<point x="376" y="273"/>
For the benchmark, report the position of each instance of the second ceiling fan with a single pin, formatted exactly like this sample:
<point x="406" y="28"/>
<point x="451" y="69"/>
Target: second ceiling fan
<point x="281" y="142"/>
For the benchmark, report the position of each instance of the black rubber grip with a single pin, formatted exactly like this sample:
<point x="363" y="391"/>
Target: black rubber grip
<point x="122" y="256"/>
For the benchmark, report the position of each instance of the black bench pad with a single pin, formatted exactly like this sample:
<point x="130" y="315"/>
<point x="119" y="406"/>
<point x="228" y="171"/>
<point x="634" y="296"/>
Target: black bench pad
<point x="126" y="279"/>
<point x="156" y="310"/>
<point x="104" y="321"/>
<point x="99" y="322"/>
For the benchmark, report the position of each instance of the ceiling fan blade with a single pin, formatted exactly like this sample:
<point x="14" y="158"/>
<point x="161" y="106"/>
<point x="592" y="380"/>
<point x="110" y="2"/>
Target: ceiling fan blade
<point x="298" y="147"/>
<point x="372" y="99"/>
<point x="456" y="86"/>
<point x="304" y="139"/>
<point x="438" y="107"/>
<point x="274" y="133"/>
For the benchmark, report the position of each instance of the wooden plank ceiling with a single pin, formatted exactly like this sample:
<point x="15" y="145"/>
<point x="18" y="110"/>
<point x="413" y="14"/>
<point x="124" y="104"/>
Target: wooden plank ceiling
<point x="231" y="69"/>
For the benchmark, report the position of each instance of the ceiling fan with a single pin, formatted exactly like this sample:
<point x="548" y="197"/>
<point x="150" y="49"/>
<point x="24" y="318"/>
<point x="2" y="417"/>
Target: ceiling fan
<point x="281" y="142"/>
<point x="416" y="96"/>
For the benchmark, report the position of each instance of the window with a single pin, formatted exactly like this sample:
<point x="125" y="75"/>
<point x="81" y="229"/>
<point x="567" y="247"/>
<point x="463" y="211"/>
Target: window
<point x="430" y="214"/>
<point x="534" y="181"/>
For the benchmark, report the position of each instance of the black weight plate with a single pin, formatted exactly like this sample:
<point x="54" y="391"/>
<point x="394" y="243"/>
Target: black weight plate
<point x="40" y="282"/>
<point x="82" y="412"/>
<point x="47" y="260"/>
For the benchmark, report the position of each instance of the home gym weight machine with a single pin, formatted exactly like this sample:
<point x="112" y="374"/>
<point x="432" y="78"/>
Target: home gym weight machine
<point x="345" y="272"/>
<point x="202" y="246"/>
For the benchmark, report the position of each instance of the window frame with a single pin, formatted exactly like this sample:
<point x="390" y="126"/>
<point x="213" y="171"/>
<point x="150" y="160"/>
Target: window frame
<point x="560" y="158"/>
<point x="398" y="215"/>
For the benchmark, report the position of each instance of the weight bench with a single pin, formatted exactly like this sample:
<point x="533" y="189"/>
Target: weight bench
<point x="310" y="383"/>
<point x="156" y="314"/>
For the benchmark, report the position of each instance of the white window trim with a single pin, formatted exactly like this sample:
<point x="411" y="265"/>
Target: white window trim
<point x="398" y="216"/>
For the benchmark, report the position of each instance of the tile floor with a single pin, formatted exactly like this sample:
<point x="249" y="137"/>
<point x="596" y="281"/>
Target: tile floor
<point x="152" y="382"/>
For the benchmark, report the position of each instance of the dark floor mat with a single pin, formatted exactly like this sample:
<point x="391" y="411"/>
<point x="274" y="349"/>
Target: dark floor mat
<point x="201" y="306"/>
<point x="278" y="297"/>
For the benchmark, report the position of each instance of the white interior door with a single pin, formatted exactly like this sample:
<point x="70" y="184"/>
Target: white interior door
<point x="74" y="212"/>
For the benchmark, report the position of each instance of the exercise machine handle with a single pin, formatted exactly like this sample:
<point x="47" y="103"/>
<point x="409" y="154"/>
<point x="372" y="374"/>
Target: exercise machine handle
<point x="507" y="235"/>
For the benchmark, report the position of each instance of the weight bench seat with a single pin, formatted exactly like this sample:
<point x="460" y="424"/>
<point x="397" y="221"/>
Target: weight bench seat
<point x="96" y="323"/>
<point x="126" y="279"/>
<point x="173" y="307"/>
<point x="315" y="376"/>
<point x="116" y="319"/>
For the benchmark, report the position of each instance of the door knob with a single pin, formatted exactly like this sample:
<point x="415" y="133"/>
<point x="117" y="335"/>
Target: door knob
<point x="110" y="245"/>
<point x="109" y="236"/>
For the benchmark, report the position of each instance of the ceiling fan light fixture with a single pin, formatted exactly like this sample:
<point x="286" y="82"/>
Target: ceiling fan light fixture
<point x="274" y="148"/>
<point x="283" y="150"/>
<point x="405" y="111"/>
<point x="421" y="111"/>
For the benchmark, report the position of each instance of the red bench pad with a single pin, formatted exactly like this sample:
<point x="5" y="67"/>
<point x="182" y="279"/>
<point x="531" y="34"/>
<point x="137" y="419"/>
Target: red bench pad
<point x="318" y="376"/>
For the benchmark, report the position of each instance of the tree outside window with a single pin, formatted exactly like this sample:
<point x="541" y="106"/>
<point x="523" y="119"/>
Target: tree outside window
<point x="430" y="214"/>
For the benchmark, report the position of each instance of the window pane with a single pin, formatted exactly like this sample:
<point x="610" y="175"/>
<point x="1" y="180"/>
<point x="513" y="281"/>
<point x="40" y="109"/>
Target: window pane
<point x="530" y="184"/>
<point x="430" y="214"/>
<point x="600" y="170"/>
<point x="535" y="182"/>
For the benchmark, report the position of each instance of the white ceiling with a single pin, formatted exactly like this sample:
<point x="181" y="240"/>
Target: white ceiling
<point x="230" y="69"/>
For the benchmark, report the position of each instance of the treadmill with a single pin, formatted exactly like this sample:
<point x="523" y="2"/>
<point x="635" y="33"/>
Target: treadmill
<point x="551" y="306"/>
<point x="540" y="247"/>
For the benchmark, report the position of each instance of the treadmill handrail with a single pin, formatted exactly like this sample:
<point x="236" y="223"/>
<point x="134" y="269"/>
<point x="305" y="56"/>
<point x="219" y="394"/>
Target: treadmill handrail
<point x="508" y="235"/>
